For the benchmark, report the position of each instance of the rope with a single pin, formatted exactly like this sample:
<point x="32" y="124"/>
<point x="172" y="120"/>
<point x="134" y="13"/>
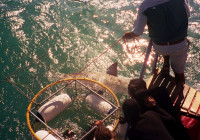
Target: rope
<point x="13" y="84"/>
<point x="135" y="47"/>
<point x="20" y="69"/>
<point x="97" y="58"/>
<point x="19" y="89"/>
<point x="6" y="78"/>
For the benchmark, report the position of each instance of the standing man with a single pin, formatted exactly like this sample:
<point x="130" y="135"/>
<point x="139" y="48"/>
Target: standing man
<point x="167" y="22"/>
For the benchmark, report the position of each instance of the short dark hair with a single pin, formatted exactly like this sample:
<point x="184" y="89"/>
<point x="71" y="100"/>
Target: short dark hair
<point x="140" y="95"/>
<point x="135" y="85"/>
<point x="103" y="133"/>
<point x="131" y="110"/>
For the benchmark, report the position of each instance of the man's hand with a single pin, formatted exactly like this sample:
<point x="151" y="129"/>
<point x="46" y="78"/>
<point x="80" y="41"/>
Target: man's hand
<point x="99" y="122"/>
<point x="129" y="35"/>
<point x="150" y="102"/>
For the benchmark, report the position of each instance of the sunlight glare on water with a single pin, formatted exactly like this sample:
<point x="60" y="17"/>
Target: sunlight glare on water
<point x="134" y="52"/>
<point x="42" y="40"/>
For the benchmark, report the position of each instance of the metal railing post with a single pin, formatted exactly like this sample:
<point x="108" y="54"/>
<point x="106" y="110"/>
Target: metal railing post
<point x="154" y="63"/>
<point x="145" y="60"/>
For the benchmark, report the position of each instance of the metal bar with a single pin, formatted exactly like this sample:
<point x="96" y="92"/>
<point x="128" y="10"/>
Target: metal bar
<point x="97" y="94"/>
<point x="154" y="63"/>
<point x="96" y="126"/>
<point x="46" y="125"/>
<point x="53" y="94"/>
<point x="146" y="59"/>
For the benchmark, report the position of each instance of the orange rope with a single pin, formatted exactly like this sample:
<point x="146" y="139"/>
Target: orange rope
<point x="135" y="47"/>
<point x="97" y="58"/>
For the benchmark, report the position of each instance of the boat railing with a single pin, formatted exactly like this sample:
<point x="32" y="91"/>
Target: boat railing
<point x="148" y="51"/>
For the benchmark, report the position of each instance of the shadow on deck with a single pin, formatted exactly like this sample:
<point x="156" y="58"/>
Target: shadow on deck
<point x="186" y="100"/>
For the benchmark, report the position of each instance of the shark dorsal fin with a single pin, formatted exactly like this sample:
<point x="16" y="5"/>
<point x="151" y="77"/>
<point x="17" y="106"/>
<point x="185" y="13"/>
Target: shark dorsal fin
<point x="112" y="70"/>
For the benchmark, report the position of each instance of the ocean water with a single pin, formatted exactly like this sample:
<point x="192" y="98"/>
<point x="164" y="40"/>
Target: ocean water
<point x="41" y="40"/>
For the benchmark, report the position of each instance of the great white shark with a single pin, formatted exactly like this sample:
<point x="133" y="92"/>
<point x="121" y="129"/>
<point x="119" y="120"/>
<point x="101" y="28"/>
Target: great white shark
<point x="118" y="84"/>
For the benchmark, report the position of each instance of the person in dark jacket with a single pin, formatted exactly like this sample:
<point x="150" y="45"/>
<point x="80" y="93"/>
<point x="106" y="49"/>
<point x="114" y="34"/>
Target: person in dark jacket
<point x="170" y="120"/>
<point x="146" y="126"/>
<point x="157" y="100"/>
<point x="159" y="94"/>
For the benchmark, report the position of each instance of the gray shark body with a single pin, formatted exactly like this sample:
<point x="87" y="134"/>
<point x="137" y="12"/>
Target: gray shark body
<point x="118" y="84"/>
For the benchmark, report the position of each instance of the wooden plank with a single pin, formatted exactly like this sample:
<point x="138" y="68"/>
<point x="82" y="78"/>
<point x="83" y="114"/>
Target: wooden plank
<point x="166" y="81"/>
<point x="175" y="90"/>
<point x="157" y="81"/>
<point x="196" y="103"/>
<point x="185" y="93"/>
<point x="189" y="99"/>
<point x="186" y="99"/>
<point x="182" y="96"/>
<point x="191" y="114"/>
<point x="198" y="112"/>
<point x="171" y="86"/>
<point x="152" y="79"/>
<point x="183" y="110"/>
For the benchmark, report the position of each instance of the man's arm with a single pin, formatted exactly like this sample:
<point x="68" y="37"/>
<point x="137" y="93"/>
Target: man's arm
<point x="139" y="25"/>
<point x="187" y="8"/>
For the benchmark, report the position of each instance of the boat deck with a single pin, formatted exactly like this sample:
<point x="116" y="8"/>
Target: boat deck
<point x="187" y="100"/>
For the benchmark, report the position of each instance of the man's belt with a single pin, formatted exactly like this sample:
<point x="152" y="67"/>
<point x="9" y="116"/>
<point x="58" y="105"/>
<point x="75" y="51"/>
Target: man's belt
<point x="171" y="43"/>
